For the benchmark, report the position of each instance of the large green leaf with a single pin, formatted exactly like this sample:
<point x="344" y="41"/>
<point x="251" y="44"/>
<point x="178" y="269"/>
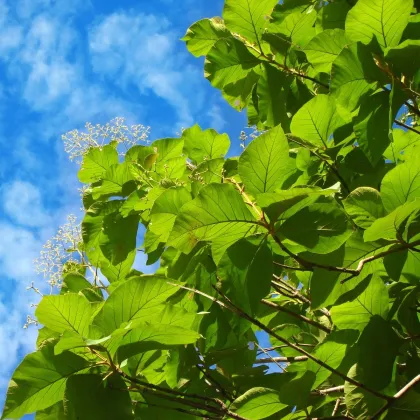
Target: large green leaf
<point x="323" y="49"/>
<point x="218" y="214"/>
<point x="39" y="381"/>
<point x="377" y="366"/>
<point x="265" y="164"/>
<point x="143" y="337"/>
<point x="106" y="232"/>
<point x="65" y="312"/>
<point x="96" y="162"/>
<point x="321" y="227"/>
<point x="392" y="226"/>
<point x="401" y="185"/>
<point x="371" y="125"/>
<point x="165" y="210"/>
<point x="113" y="181"/>
<point x="248" y="17"/>
<point x="332" y="16"/>
<point x="364" y="206"/>
<point x="354" y="75"/>
<point x="230" y="67"/>
<point x="202" y="35"/>
<point x="383" y="19"/>
<point x="246" y="270"/>
<point x="356" y="314"/>
<point x="258" y="403"/>
<point x="298" y="26"/>
<point x="317" y="120"/>
<point x="404" y="58"/>
<point x="281" y="205"/>
<point x="89" y="397"/>
<point x="332" y="352"/>
<point x="139" y="298"/>
<point x="202" y="145"/>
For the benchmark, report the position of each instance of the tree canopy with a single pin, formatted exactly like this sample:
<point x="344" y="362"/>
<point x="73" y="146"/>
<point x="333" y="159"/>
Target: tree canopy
<point x="311" y="236"/>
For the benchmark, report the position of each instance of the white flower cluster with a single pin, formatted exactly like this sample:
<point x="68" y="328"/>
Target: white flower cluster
<point x="77" y="143"/>
<point x="61" y="249"/>
<point x="243" y="137"/>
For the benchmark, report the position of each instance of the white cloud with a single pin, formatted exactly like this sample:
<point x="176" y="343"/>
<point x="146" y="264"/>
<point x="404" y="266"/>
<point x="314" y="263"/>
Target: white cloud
<point x="141" y="50"/>
<point x="22" y="202"/>
<point x="216" y="118"/>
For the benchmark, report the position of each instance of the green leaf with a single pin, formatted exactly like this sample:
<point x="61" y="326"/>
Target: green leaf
<point x="391" y="226"/>
<point x="354" y="75"/>
<point x="39" y="381"/>
<point x="298" y="26"/>
<point x="371" y="125"/>
<point x="404" y="58"/>
<point x="323" y="49"/>
<point x="118" y="272"/>
<point x="317" y="120"/>
<point x="202" y="35"/>
<point x="96" y="162"/>
<point x="331" y="351"/>
<point x="55" y="412"/>
<point x="377" y="366"/>
<point x="65" y="312"/>
<point x="265" y="164"/>
<point x="321" y="227"/>
<point x="383" y="19"/>
<point x="401" y="185"/>
<point x="404" y="144"/>
<point x="364" y="206"/>
<point x="248" y="17"/>
<point x="245" y="271"/>
<point x="360" y="403"/>
<point x="357" y="314"/>
<point x="202" y="145"/>
<point x="74" y="283"/>
<point x="407" y="407"/>
<point x="272" y="90"/>
<point x="218" y="214"/>
<point x="283" y="204"/>
<point x="113" y="181"/>
<point x="143" y="337"/>
<point x="88" y="397"/>
<point x="139" y="298"/>
<point x="229" y="65"/>
<point x="332" y="16"/>
<point x="165" y="210"/>
<point x="258" y="403"/>
<point x="105" y="231"/>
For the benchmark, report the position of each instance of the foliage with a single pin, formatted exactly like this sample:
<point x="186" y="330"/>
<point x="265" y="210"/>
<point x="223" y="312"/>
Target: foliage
<point x="311" y="236"/>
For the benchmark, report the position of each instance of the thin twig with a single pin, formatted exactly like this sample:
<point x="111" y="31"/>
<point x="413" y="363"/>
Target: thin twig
<point x="269" y="358"/>
<point x="336" y="407"/>
<point x="278" y="360"/>
<point x="401" y="124"/>
<point x="327" y="391"/>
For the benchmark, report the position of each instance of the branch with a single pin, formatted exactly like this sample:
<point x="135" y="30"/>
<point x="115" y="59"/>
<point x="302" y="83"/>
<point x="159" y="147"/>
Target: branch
<point x="309" y="266"/>
<point x="235" y="309"/>
<point x="270" y="359"/>
<point x="285" y="68"/>
<point x="296" y="315"/>
<point x="406" y="126"/>
<point x="327" y="391"/>
<point x="380" y="255"/>
<point x="281" y="360"/>
<point x="398" y="395"/>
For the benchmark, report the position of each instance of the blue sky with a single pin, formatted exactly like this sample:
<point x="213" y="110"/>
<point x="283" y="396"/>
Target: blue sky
<point x="63" y="63"/>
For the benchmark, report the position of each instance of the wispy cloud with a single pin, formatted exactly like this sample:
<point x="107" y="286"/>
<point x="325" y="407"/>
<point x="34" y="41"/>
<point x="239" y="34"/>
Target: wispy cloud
<point x="142" y="50"/>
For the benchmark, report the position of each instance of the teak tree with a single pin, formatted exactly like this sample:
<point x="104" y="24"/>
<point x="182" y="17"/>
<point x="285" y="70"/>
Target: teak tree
<point x="311" y="235"/>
